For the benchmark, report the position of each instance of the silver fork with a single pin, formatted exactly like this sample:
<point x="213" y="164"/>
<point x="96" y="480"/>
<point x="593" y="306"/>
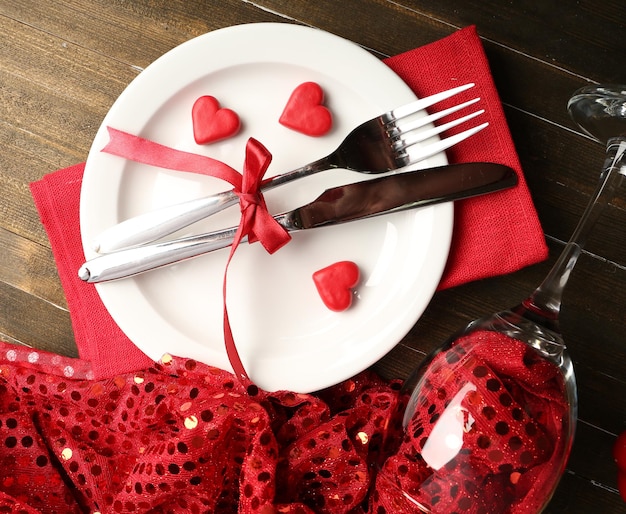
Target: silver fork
<point x="385" y="143"/>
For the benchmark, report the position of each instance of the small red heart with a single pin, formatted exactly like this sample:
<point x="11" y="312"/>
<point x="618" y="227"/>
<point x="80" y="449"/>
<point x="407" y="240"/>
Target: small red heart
<point x="304" y="111"/>
<point x="334" y="284"/>
<point x="212" y="123"/>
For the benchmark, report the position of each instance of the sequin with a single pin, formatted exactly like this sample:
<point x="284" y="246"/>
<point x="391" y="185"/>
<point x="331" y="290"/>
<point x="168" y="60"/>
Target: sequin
<point x="502" y="428"/>
<point x="206" y="415"/>
<point x="493" y="384"/>
<point x="66" y="454"/>
<point x="191" y="422"/>
<point x="483" y="442"/>
<point x="362" y="437"/>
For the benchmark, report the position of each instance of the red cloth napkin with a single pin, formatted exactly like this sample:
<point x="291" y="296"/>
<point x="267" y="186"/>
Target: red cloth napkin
<point x="493" y="235"/>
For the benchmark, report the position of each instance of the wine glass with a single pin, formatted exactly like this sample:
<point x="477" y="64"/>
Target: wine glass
<point x="489" y="417"/>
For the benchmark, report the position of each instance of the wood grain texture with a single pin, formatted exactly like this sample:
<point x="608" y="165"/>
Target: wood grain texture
<point x="64" y="62"/>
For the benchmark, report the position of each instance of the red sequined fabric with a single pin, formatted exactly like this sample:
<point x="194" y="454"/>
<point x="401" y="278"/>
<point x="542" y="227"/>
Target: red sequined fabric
<point x="185" y="437"/>
<point x="487" y="434"/>
<point x="182" y="437"/>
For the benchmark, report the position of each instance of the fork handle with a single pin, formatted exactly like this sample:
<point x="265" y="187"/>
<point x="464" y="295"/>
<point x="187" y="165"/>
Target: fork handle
<point x="159" y="223"/>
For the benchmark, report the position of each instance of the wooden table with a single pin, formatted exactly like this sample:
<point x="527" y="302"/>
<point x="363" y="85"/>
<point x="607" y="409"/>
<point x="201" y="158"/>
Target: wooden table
<point x="64" y="62"/>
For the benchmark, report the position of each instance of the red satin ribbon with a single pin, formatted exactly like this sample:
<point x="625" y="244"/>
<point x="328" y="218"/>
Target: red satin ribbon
<point x="256" y="222"/>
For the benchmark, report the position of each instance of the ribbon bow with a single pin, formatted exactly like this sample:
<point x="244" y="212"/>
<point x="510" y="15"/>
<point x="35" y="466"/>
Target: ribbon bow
<point x="256" y="222"/>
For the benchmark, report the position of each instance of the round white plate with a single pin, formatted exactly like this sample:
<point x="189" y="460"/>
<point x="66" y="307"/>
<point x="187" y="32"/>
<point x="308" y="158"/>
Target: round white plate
<point x="285" y="335"/>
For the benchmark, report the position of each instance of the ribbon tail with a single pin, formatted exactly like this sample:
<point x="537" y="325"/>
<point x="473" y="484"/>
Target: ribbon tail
<point x="144" y="151"/>
<point x="229" y="340"/>
<point x="260" y="225"/>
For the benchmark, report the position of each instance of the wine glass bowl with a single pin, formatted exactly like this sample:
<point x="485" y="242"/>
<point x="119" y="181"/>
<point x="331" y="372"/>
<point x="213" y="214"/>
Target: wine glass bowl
<point x="489" y="418"/>
<point x="490" y="421"/>
<point x="600" y="111"/>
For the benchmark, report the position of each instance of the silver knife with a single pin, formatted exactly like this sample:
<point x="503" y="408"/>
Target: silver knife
<point x="361" y="200"/>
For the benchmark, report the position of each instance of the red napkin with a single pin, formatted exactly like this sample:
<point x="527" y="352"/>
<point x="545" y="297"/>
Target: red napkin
<point x="499" y="233"/>
<point x="493" y="235"/>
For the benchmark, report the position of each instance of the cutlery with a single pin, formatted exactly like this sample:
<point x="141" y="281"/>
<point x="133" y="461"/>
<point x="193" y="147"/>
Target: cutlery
<point x="361" y="200"/>
<point x="385" y="143"/>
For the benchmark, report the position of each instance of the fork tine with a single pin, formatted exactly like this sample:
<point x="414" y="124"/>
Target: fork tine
<point x="410" y="136"/>
<point x="399" y="127"/>
<point x="417" y="153"/>
<point x="422" y="103"/>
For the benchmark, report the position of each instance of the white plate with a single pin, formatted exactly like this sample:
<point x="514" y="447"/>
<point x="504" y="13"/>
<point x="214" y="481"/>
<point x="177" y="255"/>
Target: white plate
<point x="286" y="337"/>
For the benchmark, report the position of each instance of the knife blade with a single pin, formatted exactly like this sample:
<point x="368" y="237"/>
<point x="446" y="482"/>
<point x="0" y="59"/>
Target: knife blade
<point x="361" y="200"/>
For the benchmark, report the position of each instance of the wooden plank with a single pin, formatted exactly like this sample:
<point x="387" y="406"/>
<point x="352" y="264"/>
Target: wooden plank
<point x="26" y="266"/>
<point x="548" y="30"/>
<point x="576" y="494"/>
<point x="74" y="86"/>
<point x="562" y="178"/>
<point x="135" y="33"/>
<point x="34" y="322"/>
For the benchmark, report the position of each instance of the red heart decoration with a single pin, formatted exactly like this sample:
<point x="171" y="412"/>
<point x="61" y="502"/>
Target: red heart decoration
<point x="304" y="111"/>
<point x="334" y="284"/>
<point x="212" y="123"/>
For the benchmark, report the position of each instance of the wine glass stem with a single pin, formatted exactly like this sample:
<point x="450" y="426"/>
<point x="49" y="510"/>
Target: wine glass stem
<point x="546" y="299"/>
